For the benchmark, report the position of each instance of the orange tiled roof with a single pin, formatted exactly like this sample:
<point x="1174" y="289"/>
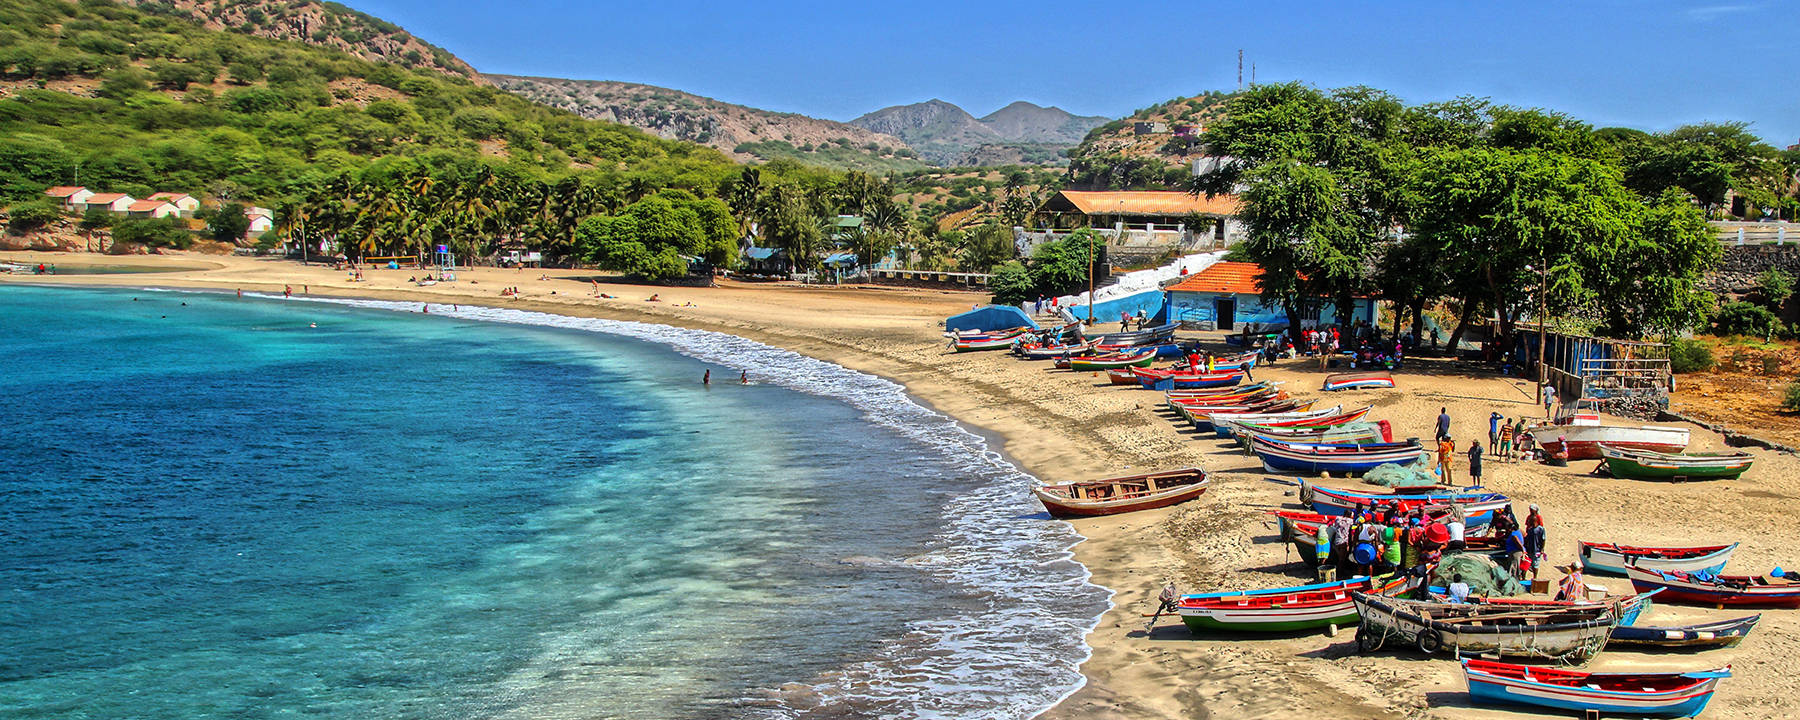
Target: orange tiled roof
<point x="63" y="191"/>
<point x="103" y="198"/>
<point x="1150" y="203"/>
<point x="146" y="205"/>
<point x="1238" y="278"/>
<point x="167" y="196"/>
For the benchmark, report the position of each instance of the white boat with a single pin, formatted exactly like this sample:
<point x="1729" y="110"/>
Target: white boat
<point x="1582" y="442"/>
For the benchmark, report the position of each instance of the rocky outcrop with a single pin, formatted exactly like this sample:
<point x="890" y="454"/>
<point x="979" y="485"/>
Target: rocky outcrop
<point x="326" y="24"/>
<point x="1737" y="270"/>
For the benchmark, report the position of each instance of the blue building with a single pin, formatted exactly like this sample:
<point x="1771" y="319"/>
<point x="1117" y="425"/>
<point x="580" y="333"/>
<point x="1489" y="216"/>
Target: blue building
<point x="1229" y="294"/>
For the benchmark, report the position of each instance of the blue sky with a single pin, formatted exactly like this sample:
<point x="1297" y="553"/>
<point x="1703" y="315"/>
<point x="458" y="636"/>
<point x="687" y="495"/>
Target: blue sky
<point x="1648" y="64"/>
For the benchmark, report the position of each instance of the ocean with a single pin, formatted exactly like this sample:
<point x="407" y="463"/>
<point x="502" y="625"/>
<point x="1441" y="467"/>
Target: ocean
<point x="258" y="508"/>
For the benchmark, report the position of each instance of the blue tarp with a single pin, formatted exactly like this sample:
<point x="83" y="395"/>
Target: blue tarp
<point x="1107" y="311"/>
<point x="992" y="317"/>
<point x="840" y="259"/>
<point x="760" y="253"/>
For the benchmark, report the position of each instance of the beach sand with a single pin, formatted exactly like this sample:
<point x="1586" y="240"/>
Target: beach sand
<point x="1065" y="426"/>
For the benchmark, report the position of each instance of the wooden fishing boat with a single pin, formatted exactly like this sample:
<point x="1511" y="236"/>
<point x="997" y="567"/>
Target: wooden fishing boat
<point x="1614" y="559"/>
<point x="1208" y="421"/>
<point x="1646" y="465"/>
<point x="1193" y="411"/>
<point x="989" y="341"/>
<point x="1361" y="431"/>
<point x="1478" y="508"/>
<point x="1122" y="494"/>
<point x="1282" y="457"/>
<point x="1041" y="351"/>
<point x="1627" y="608"/>
<point x="1669" y="694"/>
<point x="1358" y="380"/>
<point x="1221" y="396"/>
<point x="1106" y="362"/>
<point x="1724" y="633"/>
<point x="1153" y="379"/>
<point x="1718" y="590"/>
<point x="1172" y="395"/>
<point x="1568" y="634"/>
<point x="1228" y="428"/>
<point x="1147" y="336"/>
<point x="1201" y="417"/>
<point x="1582" y="442"/>
<point x="1287" y="609"/>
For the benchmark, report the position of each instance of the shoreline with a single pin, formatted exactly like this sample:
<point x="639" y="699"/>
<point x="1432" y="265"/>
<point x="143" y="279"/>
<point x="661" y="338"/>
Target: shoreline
<point x="1061" y="426"/>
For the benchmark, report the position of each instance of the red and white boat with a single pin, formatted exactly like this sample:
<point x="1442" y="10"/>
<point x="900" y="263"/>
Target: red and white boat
<point x="1582" y="442"/>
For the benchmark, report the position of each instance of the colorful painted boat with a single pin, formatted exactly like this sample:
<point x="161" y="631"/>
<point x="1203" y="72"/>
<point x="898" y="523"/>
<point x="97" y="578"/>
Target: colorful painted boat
<point x="1645" y="465"/>
<point x="1208" y="421"/>
<point x="1198" y="412"/>
<point x="1301" y="529"/>
<point x="1478" y="508"/>
<point x="1153" y="379"/>
<point x="1627" y="608"/>
<point x="1718" y="590"/>
<point x="1172" y="395"/>
<point x="1282" y="457"/>
<point x="1041" y="351"/>
<point x="1668" y="694"/>
<point x="1582" y="442"/>
<point x="1569" y="634"/>
<point x="1219" y="396"/>
<point x="1724" y="633"/>
<point x="1106" y="362"/>
<point x="1358" y="380"/>
<point x="1361" y="431"/>
<point x="988" y="341"/>
<point x="1614" y="559"/>
<point x="1228" y="428"/>
<point x="1122" y="494"/>
<point x="1287" y="609"/>
<point x="1147" y="336"/>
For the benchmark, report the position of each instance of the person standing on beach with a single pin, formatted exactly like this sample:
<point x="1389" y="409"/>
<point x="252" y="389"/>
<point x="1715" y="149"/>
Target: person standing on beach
<point x="1474" y="462"/>
<point x="1495" y="420"/>
<point x="1446" y="460"/>
<point x="1443" y="425"/>
<point x="287" y="291"/>
<point x="1506" y="440"/>
<point x="1549" y="397"/>
<point x="1124" y="321"/>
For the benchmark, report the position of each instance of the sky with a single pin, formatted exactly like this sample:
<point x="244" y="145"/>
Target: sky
<point x="1647" y="64"/>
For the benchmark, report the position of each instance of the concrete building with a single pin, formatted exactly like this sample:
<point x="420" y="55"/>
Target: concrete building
<point x="184" y="203"/>
<point x="1228" y="294"/>
<point x="112" y="202"/>
<point x="151" y="209"/>
<point x="70" y="197"/>
<point x="1137" y="225"/>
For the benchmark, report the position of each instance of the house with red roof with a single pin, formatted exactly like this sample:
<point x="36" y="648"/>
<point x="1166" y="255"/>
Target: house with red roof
<point x="69" y="196"/>
<point x="151" y="209"/>
<point x="1227" y="295"/>
<point x="1138" y="224"/>
<point x="112" y="202"/>
<point x="184" y="203"/>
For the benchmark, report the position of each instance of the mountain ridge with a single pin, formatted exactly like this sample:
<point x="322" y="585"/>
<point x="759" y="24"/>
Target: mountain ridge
<point x="948" y="135"/>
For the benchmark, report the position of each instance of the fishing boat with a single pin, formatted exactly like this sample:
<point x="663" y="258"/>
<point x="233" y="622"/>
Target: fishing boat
<point x="1209" y="421"/>
<point x="1669" y="694"/>
<point x="1582" y="442"/>
<point x="1147" y="336"/>
<point x="1216" y="392"/>
<point x="1106" y="362"/>
<point x="1283" y="457"/>
<point x="1614" y="559"/>
<point x="1301" y="529"/>
<point x="1627" y="608"/>
<point x="1228" y="428"/>
<point x="1361" y="431"/>
<point x="1718" y="590"/>
<point x="1357" y="380"/>
<point x="988" y="341"/>
<point x="1647" y="465"/>
<point x="1724" y="633"/>
<point x="1194" y="409"/>
<point x="1287" y="609"/>
<point x="1042" y="351"/>
<point x="1122" y="494"/>
<point x="1569" y="634"/>
<point x="1478" y="508"/>
<point x="1153" y="379"/>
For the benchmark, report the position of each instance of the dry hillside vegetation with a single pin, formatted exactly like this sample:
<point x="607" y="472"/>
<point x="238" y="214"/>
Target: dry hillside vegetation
<point x="326" y="24"/>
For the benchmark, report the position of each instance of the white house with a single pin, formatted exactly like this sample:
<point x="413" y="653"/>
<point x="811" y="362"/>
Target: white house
<point x="69" y="196"/>
<point x="260" y="222"/>
<point x="113" y="202"/>
<point x="151" y="209"/>
<point x="184" y="203"/>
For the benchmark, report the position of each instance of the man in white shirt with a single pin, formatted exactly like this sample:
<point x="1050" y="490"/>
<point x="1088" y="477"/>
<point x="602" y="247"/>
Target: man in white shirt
<point x="1459" y="590"/>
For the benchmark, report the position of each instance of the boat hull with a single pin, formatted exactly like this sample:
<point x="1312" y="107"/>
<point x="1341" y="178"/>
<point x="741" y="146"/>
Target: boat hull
<point x="1183" y="485"/>
<point x="1683" y="695"/>
<point x="1659" y="466"/>
<point x="1384" y="621"/>
<point x="1284" y="458"/>
<point x="1683" y="589"/>
<point x="1290" y="609"/>
<point x="1725" y="633"/>
<point x="1613" y="559"/>
<point x="1582" y="442"/>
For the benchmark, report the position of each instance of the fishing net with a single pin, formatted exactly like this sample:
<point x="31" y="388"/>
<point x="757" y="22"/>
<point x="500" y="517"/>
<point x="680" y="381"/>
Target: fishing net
<point x="1484" y="576"/>
<point x="1391" y="475"/>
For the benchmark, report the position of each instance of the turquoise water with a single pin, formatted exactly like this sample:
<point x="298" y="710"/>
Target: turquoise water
<point x="250" y="508"/>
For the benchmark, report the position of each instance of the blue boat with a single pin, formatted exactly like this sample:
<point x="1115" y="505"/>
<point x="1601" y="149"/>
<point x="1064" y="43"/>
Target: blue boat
<point x="1478" y="508"/>
<point x="1673" y="694"/>
<point x="1313" y="458"/>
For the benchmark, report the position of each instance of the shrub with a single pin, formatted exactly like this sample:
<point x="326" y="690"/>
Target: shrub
<point x="1744" y="318"/>
<point x="1774" y="286"/>
<point x="1790" y="400"/>
<point x="164" y="232"/>
<point x="1012" y="284"/>
<point x="1690" y="356"/>
<point x="1771" y="364"/>
<point x="28" y="216"/>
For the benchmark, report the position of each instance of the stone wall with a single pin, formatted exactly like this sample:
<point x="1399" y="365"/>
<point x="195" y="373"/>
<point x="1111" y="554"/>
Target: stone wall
<point x="1737" y="270"/>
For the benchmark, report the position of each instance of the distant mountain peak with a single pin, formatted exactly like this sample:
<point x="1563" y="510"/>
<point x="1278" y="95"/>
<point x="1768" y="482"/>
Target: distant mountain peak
<point x="948" y="135"/>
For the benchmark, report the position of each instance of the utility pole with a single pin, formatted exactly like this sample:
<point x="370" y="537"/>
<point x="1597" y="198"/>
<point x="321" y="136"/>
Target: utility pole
<point x="1240" y="69"/>
<point x="1543" y="378"/>
<point x="1090" y="254"/>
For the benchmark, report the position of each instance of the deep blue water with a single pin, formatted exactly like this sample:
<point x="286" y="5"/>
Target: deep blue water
<point x="212" y="508"/>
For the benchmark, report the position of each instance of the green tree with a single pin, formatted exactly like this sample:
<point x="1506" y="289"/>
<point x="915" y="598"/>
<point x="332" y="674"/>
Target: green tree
<point x="1773" y="286"/>
<point x="167" y="232"/>
<point x="654" y="236"/>
<point x="985" y="246"/>
<point x="29" y="216"/>
<point x="1012" y="284"/>
<point x="228" y="224"/>
<point x="1062" y="267"/>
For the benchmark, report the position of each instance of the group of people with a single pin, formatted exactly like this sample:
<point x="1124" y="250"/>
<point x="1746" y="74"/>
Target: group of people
<point x="1383" y="539"/>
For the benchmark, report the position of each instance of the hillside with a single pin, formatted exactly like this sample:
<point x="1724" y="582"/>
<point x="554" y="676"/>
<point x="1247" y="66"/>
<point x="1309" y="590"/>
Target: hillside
<point x="1118" y="155"/>
<point x="948" y="135"/>
<point x="136" y="101"/>
<point x="744" y="132"/>
<point x="325" y="24"/>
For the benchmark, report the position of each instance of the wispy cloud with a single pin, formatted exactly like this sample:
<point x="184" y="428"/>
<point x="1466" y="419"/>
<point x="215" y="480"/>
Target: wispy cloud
<point x="1708" y="13"/>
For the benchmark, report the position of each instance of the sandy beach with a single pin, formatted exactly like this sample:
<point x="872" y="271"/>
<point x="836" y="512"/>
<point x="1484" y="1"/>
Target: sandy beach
<point x="1065" y="426"/>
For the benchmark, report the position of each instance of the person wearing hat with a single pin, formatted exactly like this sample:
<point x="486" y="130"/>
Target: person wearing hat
<point x="1534" y="537"/>
<point x="1573" y="586"/>
<point x="1515" y="553"/>
<point x="1390" y="549"/>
